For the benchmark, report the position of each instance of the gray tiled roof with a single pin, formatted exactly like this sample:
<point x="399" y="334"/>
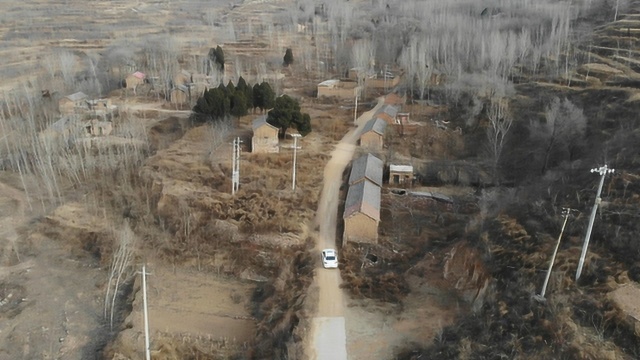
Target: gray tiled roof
<point x="260" y="121"/>
<point x="366" y="167"/>
<point x="363" y="197"/>
<point x="389" y="110"/>
<point x="376" y="125"/>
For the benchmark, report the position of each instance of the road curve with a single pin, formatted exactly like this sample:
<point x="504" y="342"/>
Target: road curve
<point x="328" y="335"/>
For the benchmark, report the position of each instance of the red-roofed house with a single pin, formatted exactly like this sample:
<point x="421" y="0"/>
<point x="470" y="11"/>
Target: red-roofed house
<point x="133" y="80"/>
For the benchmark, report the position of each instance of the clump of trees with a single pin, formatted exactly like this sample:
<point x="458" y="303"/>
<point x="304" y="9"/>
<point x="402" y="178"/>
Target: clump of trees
<point x="286" y="113"/>
<point x="216" y="57"/>
<point x="233" y="100"/>
<point x="561" y="132"/>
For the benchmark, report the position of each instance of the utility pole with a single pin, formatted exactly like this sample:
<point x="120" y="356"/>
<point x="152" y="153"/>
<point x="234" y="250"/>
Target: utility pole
<point x="566" y="212"/>
<point x="355" y="112"/>
<point x="295" y="152"/>
<point x="235" y="167"/>
<point x="146" y="314"/>
<point x="385" y="78"/>
<point x="603" y="171"/>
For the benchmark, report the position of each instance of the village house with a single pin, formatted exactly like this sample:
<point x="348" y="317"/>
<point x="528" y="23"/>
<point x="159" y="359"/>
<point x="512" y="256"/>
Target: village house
<point x="366" y="167"/>
<point x="132" y="81"/>
<point x="401" y="175"/>
<point x="73" y="104"/>
<point x="362" y="213"/>
<point x="265" y="136"/>
<point x="372" y="135"/>
<point x="338" y="89"/>
<point x="387" y="113"/>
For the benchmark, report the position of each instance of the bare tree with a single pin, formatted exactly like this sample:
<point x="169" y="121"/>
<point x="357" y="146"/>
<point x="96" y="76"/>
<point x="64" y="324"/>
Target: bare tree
<point x="500" y="122"/>
<point x="67" y="66"/>
<point x="565" y="126"/>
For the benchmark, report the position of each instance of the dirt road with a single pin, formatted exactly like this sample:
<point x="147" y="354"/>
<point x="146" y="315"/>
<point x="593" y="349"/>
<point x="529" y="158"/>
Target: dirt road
<point x="328" y="337"/>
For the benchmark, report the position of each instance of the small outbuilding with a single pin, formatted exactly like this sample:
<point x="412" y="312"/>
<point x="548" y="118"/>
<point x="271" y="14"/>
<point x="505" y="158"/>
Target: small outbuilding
<point x="401" y="175"/>
<point x="73" y="104"/>
<point x="366" y="167"/>
<point x="265" y="136"/>
<point x="132" y="81"/>
<point x="372" y="135"/>
<point x="362" y="213"/>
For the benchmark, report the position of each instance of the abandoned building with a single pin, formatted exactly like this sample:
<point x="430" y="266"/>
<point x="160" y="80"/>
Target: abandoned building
<point x="372" y="135"/>
<point x="366" y="167"/>
<point x="401" y="175"/>
<point x="71" y="127"/>
<point x="265" y="136"/>
<point x="98" y="128"/>
<point x="73" y="104"/>
<point x="362" y="213"/>
<point x="338" y="89"/>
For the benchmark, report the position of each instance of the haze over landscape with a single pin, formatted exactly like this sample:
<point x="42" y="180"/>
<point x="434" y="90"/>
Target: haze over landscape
<point x="474" y="165"/>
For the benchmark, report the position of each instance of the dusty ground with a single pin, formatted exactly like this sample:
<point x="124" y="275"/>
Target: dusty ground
<point x="39" y="275"/>
<point x="190" y="307"/>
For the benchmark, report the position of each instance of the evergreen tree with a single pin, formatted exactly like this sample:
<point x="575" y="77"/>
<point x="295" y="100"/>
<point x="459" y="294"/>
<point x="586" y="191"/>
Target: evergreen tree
<point x="257" y="97"/>
<point x="238" y="104"/>
<point x="286" y="113"/>
<point x="288" y="57"/>
<point x="268" y="96"/>
<point x="216" y="56"/>
<point x="231" y="89"/>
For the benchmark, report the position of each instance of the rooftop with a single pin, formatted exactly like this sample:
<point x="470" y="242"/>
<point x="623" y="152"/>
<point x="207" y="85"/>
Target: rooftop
<point x="389" y="110"/>
<point x="401" y="168"/>
<point x="366" y="167"/>
<point x="139" y="75"/>
<point x="363" y="197"/>
<point x="331" y="82"/>
<point x="376" y="125"/>
<point x="260" y="121"/>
